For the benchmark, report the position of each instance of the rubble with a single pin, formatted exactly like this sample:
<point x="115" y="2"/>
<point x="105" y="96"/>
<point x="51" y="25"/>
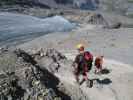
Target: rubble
<point x="51" y="59"/>
<point x="24" y="80"/>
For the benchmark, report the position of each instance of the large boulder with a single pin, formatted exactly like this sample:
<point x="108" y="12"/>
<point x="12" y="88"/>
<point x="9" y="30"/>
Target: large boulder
<point x="96" y="19"/>
<point x="105" y="21"/>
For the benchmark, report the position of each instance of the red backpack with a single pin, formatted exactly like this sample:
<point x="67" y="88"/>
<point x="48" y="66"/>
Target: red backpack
<point x="89" y="59"/>
<point x="88" y="56"/>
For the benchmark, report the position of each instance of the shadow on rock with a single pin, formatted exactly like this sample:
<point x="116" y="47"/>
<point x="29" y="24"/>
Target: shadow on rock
<point x="26" y="57"/>
<point x="9" y="86"/>
<point x="105" y="81"/>
<point x="52" y="82"/>
<point x="18" y="92"/>
<point x="105" y="71"/>
<point x="47" y="78"/>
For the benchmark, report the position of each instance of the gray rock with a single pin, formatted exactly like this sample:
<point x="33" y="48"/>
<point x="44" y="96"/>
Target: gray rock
<point x="24" y="80"/>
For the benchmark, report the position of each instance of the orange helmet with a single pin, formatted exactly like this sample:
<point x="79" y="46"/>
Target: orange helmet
<point x="80" y="47"/>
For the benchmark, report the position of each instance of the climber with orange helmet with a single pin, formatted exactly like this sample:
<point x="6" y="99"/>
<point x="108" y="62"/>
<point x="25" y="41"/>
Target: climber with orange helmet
<point x="82" y="63"/>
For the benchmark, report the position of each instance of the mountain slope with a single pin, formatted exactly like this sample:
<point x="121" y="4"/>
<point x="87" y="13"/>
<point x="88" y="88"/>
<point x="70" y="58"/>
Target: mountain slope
<point x="119" y="6"/>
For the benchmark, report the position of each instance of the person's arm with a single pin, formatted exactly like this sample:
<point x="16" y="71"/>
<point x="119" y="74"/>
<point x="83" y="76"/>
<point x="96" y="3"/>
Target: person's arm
<point x="75" y="64"/>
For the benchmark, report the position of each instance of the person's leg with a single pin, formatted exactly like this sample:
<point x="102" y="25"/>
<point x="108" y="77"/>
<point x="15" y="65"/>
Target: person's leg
<point x="96" y="69"/>
<point x="90" y="65"/>
<point x="101" y="67"/>
<point x="85" y="72"/>
<point x="77" y="78"/>
<point x="85" y="77"/>
<point x="77" y="75"/>
<point x="89" y="83"/>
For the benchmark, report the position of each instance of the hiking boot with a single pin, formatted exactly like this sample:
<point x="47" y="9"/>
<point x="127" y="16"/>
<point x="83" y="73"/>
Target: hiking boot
<point x="89" y="83"/>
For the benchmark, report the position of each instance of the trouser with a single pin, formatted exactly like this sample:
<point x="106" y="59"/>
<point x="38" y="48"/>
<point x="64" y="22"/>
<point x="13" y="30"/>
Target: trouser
<point x="89" y="64"/>
<point x="84" y="72"/>
<point x="98" y="68"/>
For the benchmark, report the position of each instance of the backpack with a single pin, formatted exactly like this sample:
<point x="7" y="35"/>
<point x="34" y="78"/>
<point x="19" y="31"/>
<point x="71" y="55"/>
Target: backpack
<point x="89" y="59"/>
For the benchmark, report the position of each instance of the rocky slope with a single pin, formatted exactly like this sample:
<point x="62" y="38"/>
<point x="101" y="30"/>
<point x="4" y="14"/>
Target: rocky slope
<point x="48" y="75"/>
<point x="42" y="70"/>
<point x="21" y="78"/>
<point x="31" y="77"/>
<point x="110" y="84"/>
<point x="37" y="72"/>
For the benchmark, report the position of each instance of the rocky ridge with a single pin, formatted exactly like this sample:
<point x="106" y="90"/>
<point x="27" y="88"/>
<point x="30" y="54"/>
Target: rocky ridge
<point x="21" y="78"/>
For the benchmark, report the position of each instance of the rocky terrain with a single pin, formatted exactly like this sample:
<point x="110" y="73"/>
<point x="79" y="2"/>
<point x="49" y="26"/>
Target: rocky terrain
<point x="123" y="7"/>
<point x="38" y="41"/>
<point x="111" y="84"/>
<point x="21" y="78"/>
<point x="83" y="4"/>
<point x="115" y="83"/>
<point x="48" y="75"/>
<point x="24" y="76"/>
